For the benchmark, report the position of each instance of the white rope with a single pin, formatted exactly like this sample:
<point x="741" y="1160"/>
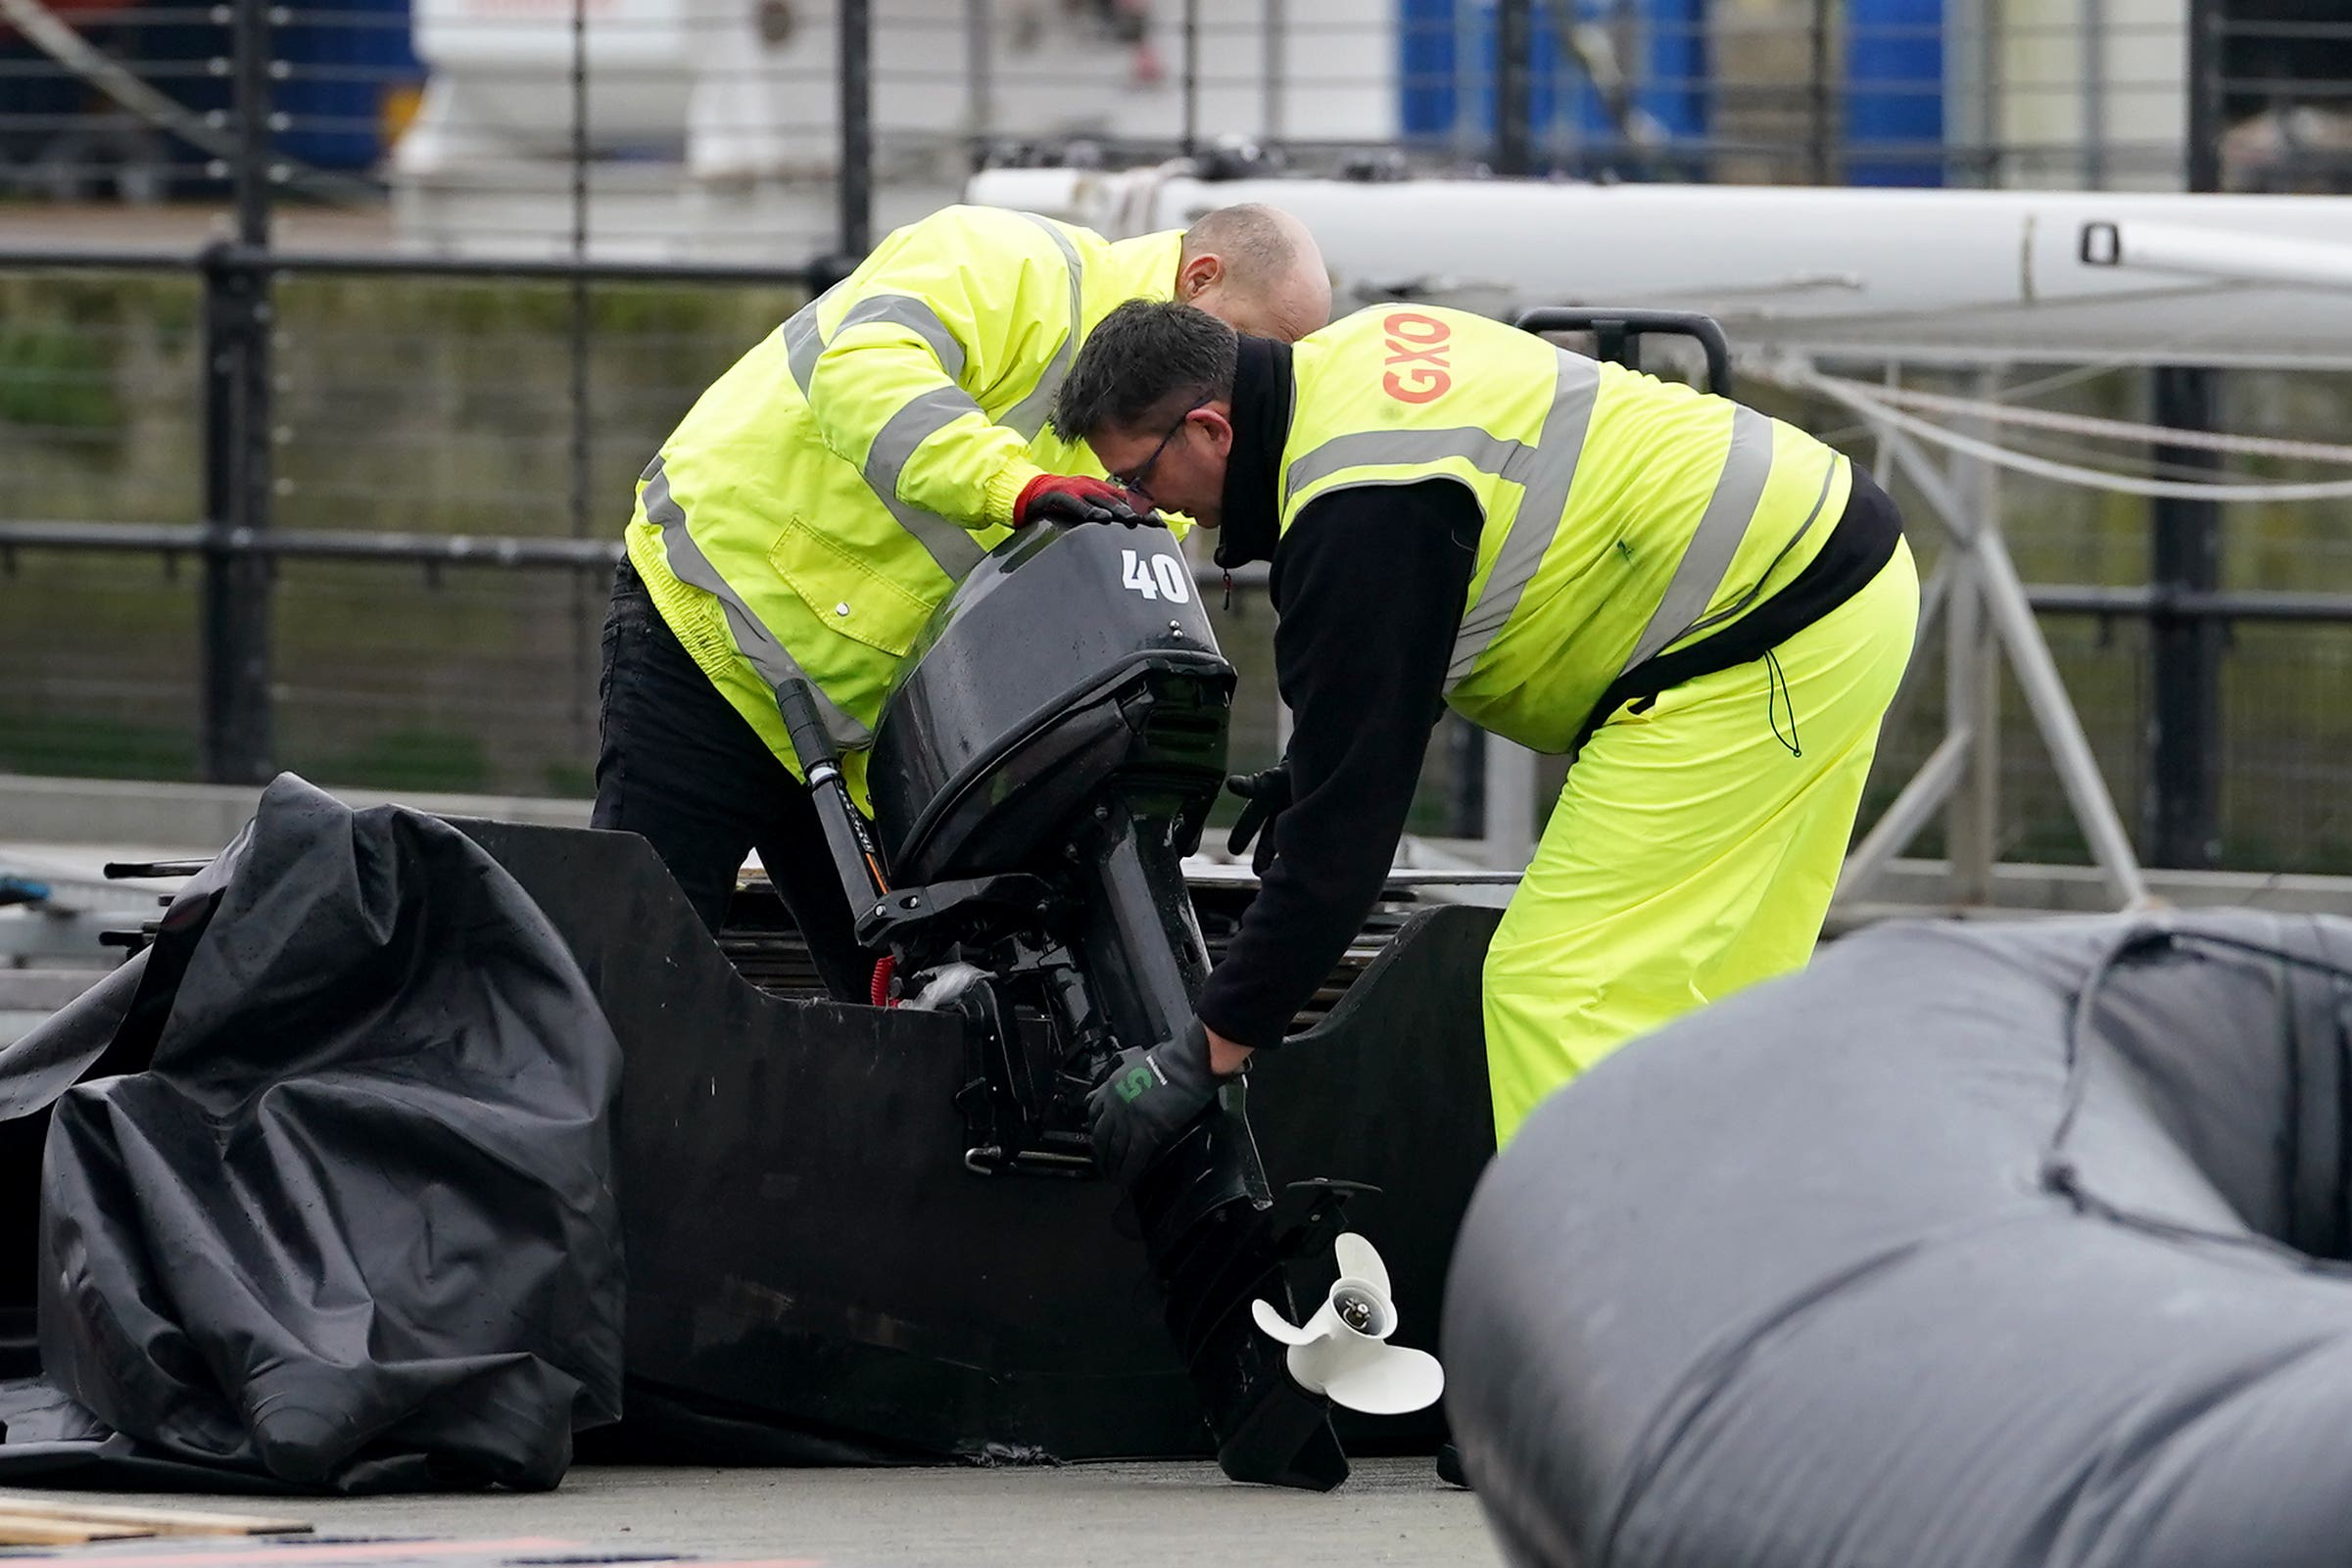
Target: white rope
<point x="2009" y="414"/>
<point x="1873" y="408"/>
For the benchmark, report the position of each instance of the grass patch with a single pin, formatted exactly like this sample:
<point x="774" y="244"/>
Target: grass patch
<point x="53" y="377"/>
<point x="84" y="746"/>
<point x="446" y="761"/>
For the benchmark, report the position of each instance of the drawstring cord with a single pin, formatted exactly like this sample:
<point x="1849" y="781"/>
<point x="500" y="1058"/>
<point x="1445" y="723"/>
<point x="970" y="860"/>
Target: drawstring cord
<point x="1776" y="692"/>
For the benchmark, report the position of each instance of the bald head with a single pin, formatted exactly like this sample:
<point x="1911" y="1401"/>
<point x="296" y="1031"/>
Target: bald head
<point x="1257" y="269"/>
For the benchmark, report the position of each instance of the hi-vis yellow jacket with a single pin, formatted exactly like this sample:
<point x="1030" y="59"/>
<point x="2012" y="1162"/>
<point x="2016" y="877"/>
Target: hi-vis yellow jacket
<point x="826" y="494"/>
<point x="1625" y="515"/>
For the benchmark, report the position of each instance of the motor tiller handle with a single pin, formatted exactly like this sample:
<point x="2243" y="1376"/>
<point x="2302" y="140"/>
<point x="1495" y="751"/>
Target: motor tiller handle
<point x="854" y="856"/>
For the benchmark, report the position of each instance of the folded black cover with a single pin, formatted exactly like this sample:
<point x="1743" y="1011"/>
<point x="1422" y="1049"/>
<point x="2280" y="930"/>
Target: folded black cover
<point x="331" y="1205"/>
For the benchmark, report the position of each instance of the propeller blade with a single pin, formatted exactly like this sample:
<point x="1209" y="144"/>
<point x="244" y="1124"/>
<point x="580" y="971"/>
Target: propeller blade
<point x="1360" y="1260"/>
<point x="1393" y="1380"/>
<point x="1276" y="1325"/>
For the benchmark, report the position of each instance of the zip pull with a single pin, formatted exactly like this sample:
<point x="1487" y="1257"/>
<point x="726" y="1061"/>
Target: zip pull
<point x="1229" y="590"/>
<point x="1776" y="692"/>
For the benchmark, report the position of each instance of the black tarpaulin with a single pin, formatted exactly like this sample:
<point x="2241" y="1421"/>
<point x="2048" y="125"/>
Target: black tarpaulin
<point x="1970" y="1247"/>
<point x="331" y="1205"/>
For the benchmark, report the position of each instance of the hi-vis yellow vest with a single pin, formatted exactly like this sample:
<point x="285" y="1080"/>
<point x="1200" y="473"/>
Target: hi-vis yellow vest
<point x="826" y="494"/>
<point x="1625" y="515"/>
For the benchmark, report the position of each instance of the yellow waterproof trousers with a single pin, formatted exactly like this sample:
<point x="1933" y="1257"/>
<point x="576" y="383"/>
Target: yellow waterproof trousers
<point x="1694" y="849"/>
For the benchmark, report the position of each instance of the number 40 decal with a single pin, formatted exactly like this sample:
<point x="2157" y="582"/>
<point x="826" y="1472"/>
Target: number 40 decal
<point x="1173" y="581"/>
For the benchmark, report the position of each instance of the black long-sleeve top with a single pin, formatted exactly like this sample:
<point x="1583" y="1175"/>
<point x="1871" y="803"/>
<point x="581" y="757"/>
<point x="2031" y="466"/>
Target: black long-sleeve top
<point x="1370" y="585"/>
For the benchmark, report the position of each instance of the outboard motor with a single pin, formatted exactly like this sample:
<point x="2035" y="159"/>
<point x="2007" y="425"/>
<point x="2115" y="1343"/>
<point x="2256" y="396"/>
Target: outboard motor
<point x="1065" y="715"/>
<point x="1039" y="773"/>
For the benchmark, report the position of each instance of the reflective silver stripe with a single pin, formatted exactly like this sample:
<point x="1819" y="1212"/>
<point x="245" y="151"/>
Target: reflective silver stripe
<point x="1488" y="454"/>
<point x="768" y="656"/>
<point x="948" y="543"/>
<point x="917" y="420"/>
<point x="1547" y="474"/>
<point x="1699" y="573"/>
<point x="905" y="309"/>
<point x="1544" y="473"/>
<point x="1029" y="414"/>
<point x="1829" y="475"/>
<point x="803" y="342"/>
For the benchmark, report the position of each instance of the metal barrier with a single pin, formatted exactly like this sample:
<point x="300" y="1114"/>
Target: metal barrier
<point x="1805" y="95"/>
<point x="236" y="542"/>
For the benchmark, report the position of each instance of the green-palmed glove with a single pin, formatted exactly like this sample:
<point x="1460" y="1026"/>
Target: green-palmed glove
<point x="1148" y="1101"/>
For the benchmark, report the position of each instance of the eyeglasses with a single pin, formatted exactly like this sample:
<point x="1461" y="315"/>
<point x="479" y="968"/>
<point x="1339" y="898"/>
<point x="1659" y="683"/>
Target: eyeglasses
<point x="1137" y="478"/>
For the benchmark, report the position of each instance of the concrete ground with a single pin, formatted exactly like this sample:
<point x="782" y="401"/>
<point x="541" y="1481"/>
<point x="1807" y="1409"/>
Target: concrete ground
<point x="181" y="227"/>
<point x="1130" y="1515"/>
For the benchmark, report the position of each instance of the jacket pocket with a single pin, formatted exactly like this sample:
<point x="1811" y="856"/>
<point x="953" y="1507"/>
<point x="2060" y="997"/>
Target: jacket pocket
<point x="845" y="591"/>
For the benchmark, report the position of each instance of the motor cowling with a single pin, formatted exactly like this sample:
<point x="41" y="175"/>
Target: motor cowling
<point x="1074" y="668"/>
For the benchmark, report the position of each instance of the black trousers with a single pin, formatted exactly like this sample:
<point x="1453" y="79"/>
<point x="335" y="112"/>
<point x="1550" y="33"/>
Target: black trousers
<point x="678" y="765"/>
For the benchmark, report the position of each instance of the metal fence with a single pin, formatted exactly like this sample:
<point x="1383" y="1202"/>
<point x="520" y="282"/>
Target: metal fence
<point x="308" y="497"/>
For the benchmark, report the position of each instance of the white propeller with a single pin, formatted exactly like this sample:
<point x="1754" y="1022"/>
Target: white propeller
<point x="1343" y="1350"/>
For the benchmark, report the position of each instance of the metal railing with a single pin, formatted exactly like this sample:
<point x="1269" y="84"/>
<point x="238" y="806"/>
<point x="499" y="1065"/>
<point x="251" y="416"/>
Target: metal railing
<point x="237" y="543"/>
<point x="272" y="543"/>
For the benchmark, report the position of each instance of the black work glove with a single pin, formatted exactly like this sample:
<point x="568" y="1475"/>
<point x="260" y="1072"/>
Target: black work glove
<point x="1076" y="498"/>
<point x="1268" y="797"/>
<point x="1148" y="1101"/>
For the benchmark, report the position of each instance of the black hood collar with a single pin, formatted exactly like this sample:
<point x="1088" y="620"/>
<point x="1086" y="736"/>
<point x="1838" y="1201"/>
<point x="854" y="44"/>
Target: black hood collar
<point x="1262" y="391"/>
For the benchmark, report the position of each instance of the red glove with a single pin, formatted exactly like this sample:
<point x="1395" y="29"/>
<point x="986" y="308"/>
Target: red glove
<point x="1076" y="498"/>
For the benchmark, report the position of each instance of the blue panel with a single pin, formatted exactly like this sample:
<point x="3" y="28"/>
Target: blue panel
<point x="1557" y="95"/>
<point x="1675" y="90"/>
<point x="1425" y="74"/>
<point x="1895" y="92"/>
<point x="343" y="56"/>
<point x="1448" y="74"/>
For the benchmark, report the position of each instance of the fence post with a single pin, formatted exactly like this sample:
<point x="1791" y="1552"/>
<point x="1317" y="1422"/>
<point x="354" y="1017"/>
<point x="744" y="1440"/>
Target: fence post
<point x="1466" y="800"/>
<point x="1276" y="67"/>
<point x="979" y="76"/>
<point x="1189" y="142"/>
<point x="857" y="130"/>
<point x="584" y="590"/>
<point x="2181" y="801"/>
<point x="1514" y="87"/>
<point x="1818" y="132"/>
<point x="2095" y="95"/>
<point x="237" y="742"/>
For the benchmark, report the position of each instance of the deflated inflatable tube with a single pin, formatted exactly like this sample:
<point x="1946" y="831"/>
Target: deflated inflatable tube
<point x="1970" y="1247"/>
